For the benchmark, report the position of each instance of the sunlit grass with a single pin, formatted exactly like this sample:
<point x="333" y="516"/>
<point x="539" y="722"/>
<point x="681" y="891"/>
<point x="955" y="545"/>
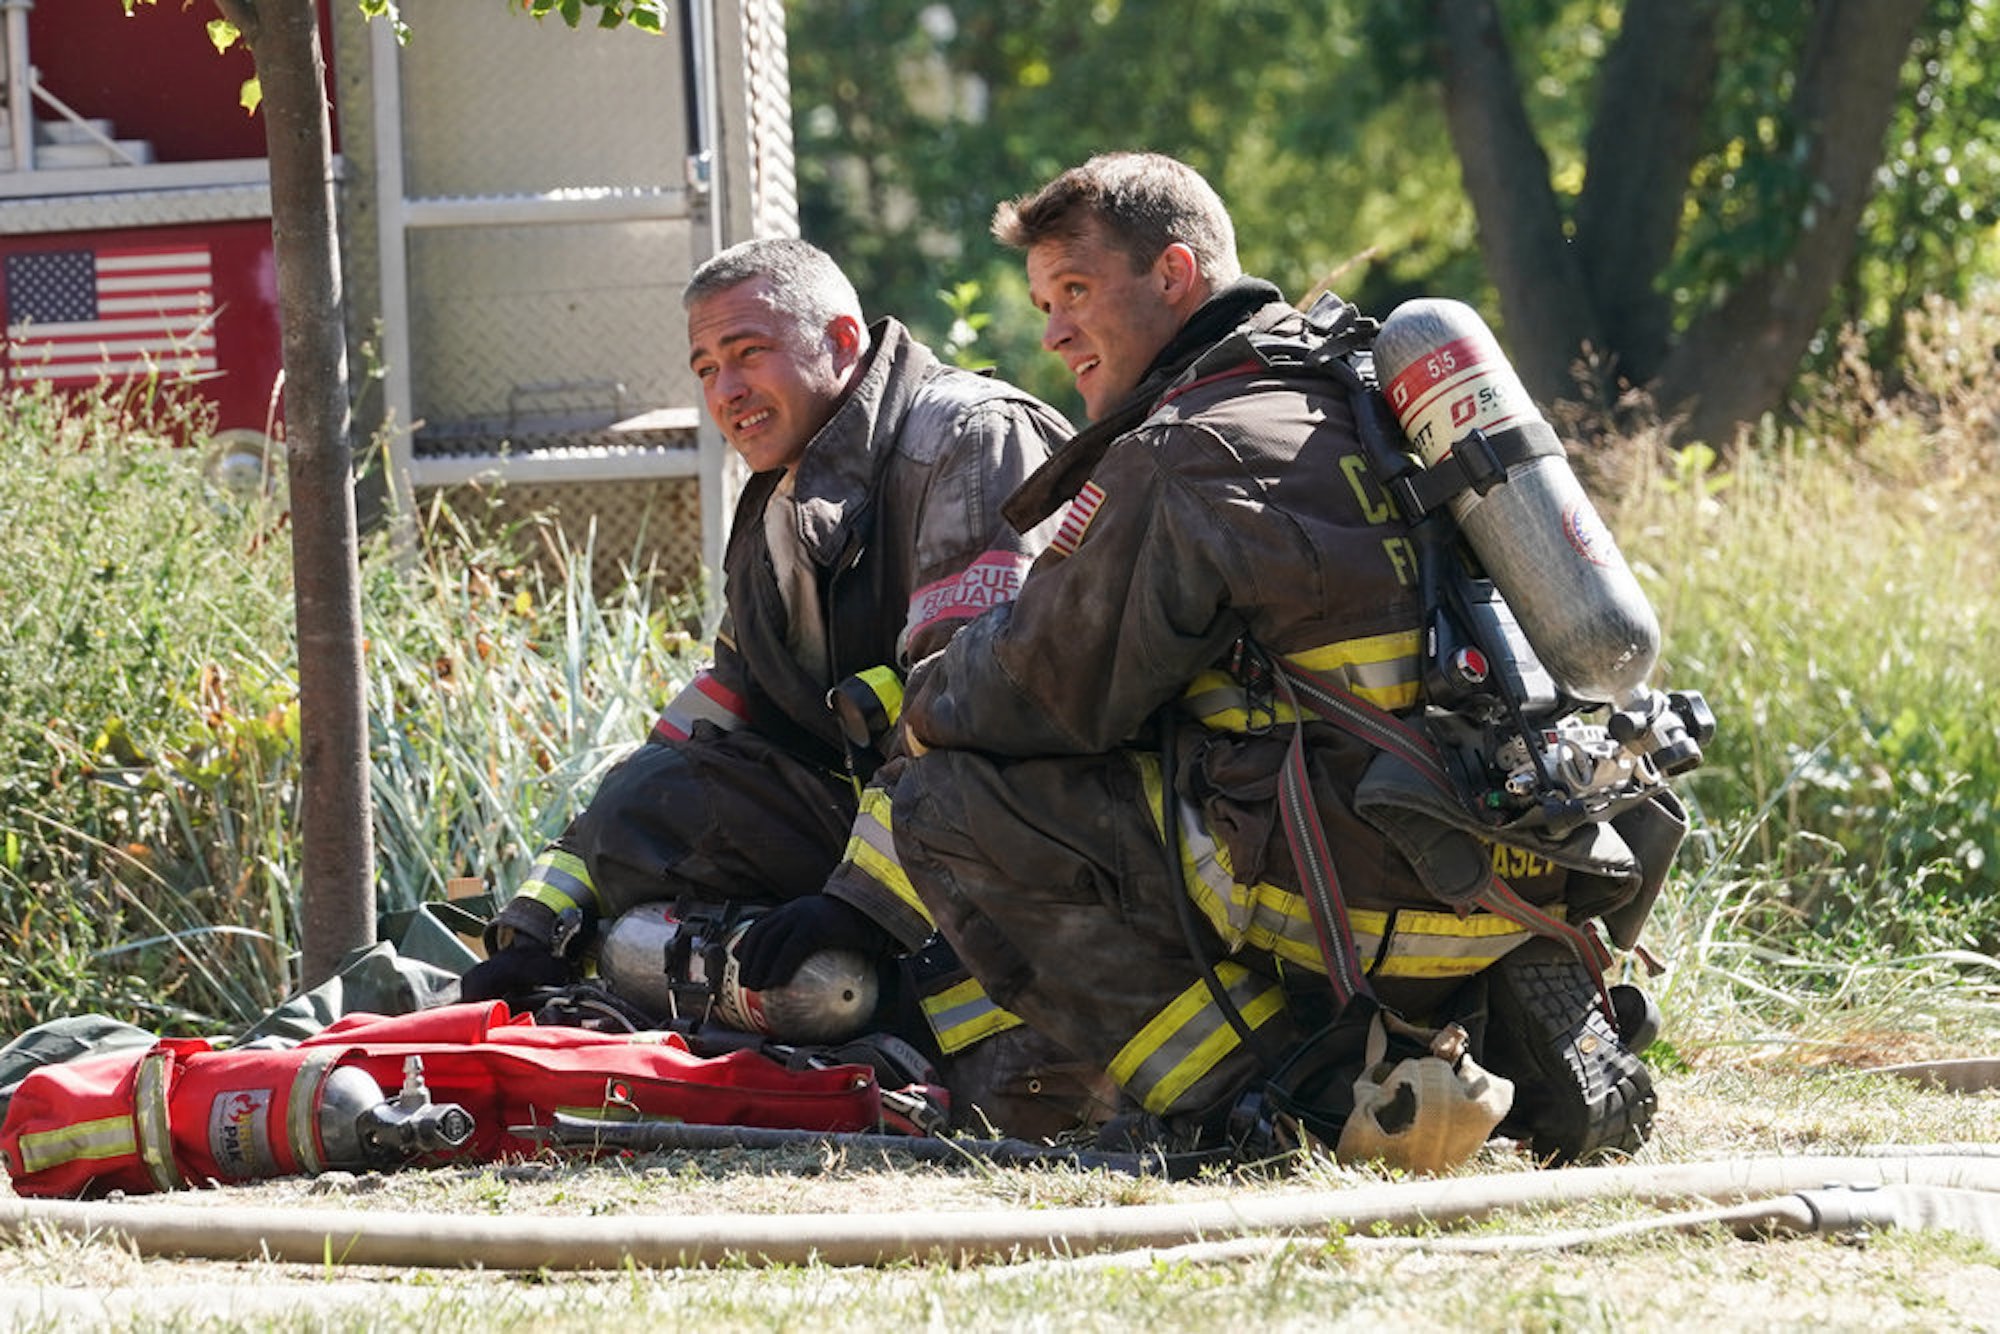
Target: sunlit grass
<point x="149" y="727"/>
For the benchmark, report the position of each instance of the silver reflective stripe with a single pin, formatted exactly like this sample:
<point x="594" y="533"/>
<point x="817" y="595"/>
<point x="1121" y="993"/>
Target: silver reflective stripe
<point x="302" y="1109"/>
<point x="1188" y="1039"/>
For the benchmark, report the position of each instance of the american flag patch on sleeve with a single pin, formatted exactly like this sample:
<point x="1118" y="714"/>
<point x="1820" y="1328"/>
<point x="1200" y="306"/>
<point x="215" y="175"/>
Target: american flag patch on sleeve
<point x="1076" y="519"/>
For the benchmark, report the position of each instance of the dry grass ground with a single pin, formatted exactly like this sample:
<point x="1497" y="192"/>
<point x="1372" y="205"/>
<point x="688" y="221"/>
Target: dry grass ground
<point x="1910" y="1279"/>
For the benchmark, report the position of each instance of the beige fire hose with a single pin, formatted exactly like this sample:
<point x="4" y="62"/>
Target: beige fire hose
<point x="363" y="1237"/>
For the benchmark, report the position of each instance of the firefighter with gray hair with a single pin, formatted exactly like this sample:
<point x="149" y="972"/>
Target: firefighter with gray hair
<point x="869" y="531"/>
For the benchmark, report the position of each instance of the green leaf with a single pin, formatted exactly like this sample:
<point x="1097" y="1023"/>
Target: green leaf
<point x="250" y="96"/>
<point x="222" y="34"/>
<point x="387" y="9"/>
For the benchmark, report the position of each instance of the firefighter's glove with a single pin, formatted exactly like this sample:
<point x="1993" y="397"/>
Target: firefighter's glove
<point x="773" y="946"/>
<point x="511" y="974"/>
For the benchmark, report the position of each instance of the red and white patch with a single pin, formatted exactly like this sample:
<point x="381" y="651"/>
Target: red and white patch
<point x="1588" y="535"/>
<point x="989" y="581"/>
<point x="1076" y="519"/>
<point x="702" y="698"/>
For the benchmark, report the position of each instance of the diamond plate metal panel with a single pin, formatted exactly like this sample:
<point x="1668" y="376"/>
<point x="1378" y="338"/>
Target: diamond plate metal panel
<point x="579" y="320"/>
<point x="498" y="103"/>
<point x="134" y="208"/>
<point x="774" y="186"/>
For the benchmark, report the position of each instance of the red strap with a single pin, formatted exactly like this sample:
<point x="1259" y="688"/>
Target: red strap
<point x="1385" y="731"/>
<point x="1248" y="367"/>
<point x="1317" y="878"/>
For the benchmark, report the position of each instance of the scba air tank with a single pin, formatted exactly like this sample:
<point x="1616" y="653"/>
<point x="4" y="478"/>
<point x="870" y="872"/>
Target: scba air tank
<point x="675" y="961"/>
<point x="1538" y="536"/>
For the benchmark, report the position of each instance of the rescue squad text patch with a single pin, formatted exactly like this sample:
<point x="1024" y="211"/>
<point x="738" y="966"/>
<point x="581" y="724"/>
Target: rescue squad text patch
<point x="989" y="581"/>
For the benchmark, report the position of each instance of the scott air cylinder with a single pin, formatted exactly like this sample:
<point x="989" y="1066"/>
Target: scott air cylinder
<point x="1536" y="533"/>
<point x="679" y="961"/>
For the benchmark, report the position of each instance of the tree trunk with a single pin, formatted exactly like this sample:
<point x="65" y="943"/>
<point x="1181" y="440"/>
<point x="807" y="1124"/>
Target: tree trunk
<point x="1735" y="363"/>
<point x="338" y="840"/>
<point x="1645" y="137"/>
<point x="1543" y="300"/>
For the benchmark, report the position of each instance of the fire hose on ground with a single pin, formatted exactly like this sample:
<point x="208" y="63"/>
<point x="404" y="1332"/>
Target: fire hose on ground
<point x="1950" y="1186"/>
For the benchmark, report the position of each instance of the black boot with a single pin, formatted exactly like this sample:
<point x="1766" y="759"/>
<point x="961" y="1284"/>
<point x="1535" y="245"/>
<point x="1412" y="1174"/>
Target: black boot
<point x="1579" y="1090"/>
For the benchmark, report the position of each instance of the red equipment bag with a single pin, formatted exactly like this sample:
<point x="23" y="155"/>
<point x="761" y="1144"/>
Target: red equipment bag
<point x="185" y="1114"/>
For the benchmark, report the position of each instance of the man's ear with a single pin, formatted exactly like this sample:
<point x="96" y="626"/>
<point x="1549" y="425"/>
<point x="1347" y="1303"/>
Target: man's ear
<point x="843" y="333"/>
<point x="1182" y="283"/>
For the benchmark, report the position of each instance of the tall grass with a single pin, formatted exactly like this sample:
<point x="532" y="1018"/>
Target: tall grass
<point x="1834" y="590"/>
<point x="149" y="717"/>
<point x="500" y="689"/>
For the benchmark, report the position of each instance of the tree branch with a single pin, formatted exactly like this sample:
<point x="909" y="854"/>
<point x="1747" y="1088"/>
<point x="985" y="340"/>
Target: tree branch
<point x="1735" y="363"/>
<point x="1645" y="137"/>
<point x="1543" y="298"/>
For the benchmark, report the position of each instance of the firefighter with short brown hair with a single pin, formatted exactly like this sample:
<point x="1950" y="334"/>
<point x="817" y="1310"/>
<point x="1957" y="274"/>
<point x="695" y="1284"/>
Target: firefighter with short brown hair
<point x="1094" y="823"/>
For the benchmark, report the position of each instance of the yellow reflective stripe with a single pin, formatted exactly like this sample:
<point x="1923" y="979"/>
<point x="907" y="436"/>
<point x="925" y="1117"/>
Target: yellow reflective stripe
<point x="1373" y="662"/>
<point x="1437" y="944"/>
<point x="1471" y="927"/>
<point x="152" y="1122"/>
<point x="871" y="848"/>
<point x="1190" y="1037"/>
<point x="1384" y="670"/>
<point x="82" y="1141"/>
<point x="559" y="880"/>
<point x="963" y="1013"/>
<point x="1263" y="916"/>
<point x="888" y="688"/>
<point x="1368" y="926"/>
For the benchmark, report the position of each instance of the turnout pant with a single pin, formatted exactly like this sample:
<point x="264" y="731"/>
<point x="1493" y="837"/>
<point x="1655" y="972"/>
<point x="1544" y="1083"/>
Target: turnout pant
<point x="725" y="816"/>
<point x="1049" y="878"/>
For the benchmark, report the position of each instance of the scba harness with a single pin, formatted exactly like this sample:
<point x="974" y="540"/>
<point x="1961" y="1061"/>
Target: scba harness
<point x="1563" y="754"/>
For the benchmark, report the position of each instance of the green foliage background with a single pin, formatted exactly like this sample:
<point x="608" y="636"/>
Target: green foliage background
<point x="1320" y="123"/>
<point x="149" y="806"/>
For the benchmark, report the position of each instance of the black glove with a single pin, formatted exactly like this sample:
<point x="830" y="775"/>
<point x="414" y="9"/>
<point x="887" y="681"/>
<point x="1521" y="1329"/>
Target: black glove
<point x="774" y="946"/>
<point x="512" y="973"/>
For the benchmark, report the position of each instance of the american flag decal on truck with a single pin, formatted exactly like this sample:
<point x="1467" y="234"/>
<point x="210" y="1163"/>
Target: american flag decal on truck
<point x="75" y="317"/>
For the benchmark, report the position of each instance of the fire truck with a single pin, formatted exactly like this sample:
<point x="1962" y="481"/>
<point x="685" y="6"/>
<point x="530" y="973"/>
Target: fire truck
<point x="519" y="202"/>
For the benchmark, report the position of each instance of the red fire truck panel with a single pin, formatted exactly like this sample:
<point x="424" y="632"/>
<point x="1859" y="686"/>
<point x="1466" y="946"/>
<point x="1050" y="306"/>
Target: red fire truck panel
<point x="196" y="301"/>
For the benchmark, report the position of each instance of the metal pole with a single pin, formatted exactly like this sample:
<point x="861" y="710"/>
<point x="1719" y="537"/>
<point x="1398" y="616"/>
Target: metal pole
<point x="385" y="82"/>
<point x="20" y="85"/>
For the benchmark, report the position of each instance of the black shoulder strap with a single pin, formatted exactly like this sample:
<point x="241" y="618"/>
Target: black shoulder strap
<point x="1336" y="340"/>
